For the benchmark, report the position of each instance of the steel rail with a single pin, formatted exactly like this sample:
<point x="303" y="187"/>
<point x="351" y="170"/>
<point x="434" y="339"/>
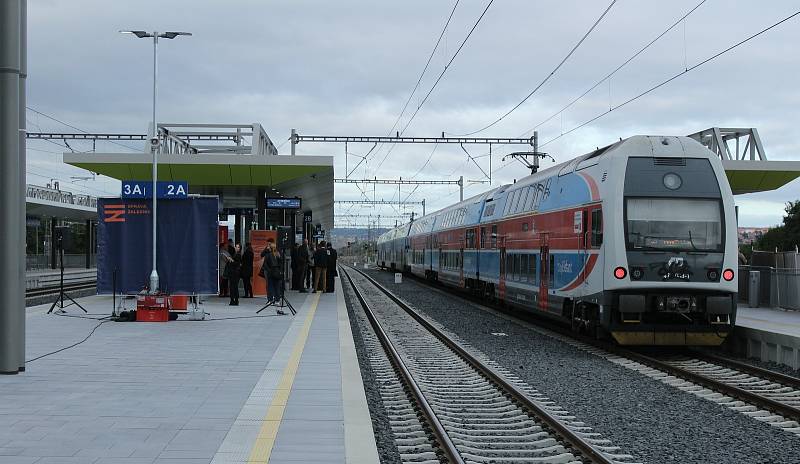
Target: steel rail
<point x="663" y="366"/>
<point x="443" y="439"/>
<point x="756" y="371"/>
<point x="712" y="384"/>
<point x="569" y="438"/>
<point x="54" y="289"/>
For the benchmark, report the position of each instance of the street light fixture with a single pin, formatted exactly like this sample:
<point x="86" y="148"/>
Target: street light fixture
<point x="154" y="140"/>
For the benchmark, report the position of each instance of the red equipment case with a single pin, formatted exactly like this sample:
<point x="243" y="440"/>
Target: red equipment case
<point x="152" y="308"/>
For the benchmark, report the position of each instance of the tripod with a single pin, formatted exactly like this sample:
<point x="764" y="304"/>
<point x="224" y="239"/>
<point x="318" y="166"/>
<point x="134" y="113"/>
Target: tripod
<point x="61" y="294"/>
<point x="282" y="302"/>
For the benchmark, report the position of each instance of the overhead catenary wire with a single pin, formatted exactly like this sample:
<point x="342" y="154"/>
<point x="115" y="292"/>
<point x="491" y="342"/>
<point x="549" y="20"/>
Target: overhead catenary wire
<point x="421" y="75"/>
<point x="664" y="82"/>
<point x="547" y="78"/>
<point x="608" y="76"/>
<point x="74" y="127"/>
<point x="439" y="78"/>
<point x="676" y="76"/>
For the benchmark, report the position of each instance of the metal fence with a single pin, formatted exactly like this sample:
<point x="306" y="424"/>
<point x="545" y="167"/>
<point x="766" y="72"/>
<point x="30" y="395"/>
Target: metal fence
<point x="777" y="287"/>
<point x="41" y="262"/>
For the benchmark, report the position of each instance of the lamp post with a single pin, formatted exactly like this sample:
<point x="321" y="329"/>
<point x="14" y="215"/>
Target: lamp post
<point x="155" y="144"/>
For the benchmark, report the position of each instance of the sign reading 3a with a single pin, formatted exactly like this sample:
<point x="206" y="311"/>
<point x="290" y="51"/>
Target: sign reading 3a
<point x="164" y="189"/>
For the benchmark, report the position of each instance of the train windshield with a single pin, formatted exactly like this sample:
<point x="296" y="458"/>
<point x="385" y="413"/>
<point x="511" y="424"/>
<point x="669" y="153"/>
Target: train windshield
<point x="674" y="224"/>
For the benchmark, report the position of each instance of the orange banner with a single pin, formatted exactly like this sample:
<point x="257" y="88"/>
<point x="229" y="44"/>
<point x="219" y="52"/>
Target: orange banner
<point x="259" y="239"/>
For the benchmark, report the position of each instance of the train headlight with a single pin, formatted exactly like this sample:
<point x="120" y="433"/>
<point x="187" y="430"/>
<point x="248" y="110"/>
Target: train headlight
<point x="672" y="181"/>
<point x="713" y="275"/>
<point x="727" y="274"/>
<point x="637" y="273"/>
<point x="620" y="272"/>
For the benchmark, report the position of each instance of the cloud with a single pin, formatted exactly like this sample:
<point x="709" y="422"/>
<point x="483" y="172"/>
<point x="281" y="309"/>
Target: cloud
<point x="347" y="67"/>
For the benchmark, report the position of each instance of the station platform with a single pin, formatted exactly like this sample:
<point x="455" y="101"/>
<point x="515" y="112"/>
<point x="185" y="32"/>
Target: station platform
<point x="231" y="389"/>
<point x="768" y="334"/>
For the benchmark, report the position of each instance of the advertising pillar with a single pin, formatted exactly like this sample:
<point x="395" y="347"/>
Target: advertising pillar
<point x="259" y="239"/>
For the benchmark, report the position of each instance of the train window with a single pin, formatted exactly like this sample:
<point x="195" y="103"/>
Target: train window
<point x="597" y="227"/>
<point x="483" y="238"/>
<point x="524" y="226"/>
<point x="523" y="198"/>
<point x="515" y="267"/>
<point x="552" y="269"/>
<point x="494" y="236"/>
<point x="523" y="268"/>
<point x="532" y="269"/>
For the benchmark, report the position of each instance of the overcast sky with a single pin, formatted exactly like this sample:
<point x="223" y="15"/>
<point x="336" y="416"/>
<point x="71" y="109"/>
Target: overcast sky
<point x="347" y="68"/>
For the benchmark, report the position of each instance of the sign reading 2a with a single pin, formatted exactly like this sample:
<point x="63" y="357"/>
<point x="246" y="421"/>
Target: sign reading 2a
<point x="164" y="189"/>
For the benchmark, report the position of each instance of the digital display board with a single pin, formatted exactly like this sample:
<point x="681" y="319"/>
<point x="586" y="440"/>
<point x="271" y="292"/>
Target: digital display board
<point x="284" y="203"/>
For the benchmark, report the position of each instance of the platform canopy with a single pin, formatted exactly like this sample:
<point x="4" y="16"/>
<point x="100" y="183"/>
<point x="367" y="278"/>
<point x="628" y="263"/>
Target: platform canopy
<point x="745" y="161"/>
<point x="761" y="176"/>
<point x="53" y="202"/>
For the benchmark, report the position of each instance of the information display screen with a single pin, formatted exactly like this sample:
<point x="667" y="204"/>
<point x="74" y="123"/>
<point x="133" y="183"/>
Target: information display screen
<point x="284" y="203"/>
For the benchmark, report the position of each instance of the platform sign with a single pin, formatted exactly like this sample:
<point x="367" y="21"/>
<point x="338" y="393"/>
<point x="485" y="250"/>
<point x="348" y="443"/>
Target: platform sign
<point x="284" y="203"/>
<point x="165" y="190"/>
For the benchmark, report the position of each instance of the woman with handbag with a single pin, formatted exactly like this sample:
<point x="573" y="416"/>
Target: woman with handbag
<point x="273" y="273"/>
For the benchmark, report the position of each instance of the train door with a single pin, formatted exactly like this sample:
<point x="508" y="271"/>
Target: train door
<point x="501" y="286"/>
<point x="544" y="271"/>
<point x="461" y="267"/>
<point x="478" y="254"/>
<point x="584" y="243"/>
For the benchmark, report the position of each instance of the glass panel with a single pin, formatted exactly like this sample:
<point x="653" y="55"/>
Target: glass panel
<point x="674" y="224"/>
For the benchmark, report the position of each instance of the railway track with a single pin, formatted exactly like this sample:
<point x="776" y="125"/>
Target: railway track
<point x="762" y="394"/>
<point x="54" y="289"/>
<point x="455" y="406"/>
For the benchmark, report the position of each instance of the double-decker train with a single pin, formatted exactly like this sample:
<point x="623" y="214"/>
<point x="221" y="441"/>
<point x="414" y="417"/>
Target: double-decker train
<point x="636" y="240"/>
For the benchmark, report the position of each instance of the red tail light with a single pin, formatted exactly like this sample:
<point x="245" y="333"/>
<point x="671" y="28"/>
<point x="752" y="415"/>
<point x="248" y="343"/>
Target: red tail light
<point x="620" y="273"/>
<point x="727" y="274"/>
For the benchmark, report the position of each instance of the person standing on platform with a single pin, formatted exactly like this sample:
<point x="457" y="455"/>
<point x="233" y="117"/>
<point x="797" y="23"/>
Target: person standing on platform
<point x="224" y="259"/>
<point x="293" y="264"/>
<point x="247" y="270"/>
<point x="302" y="267"/>
<point x="231" y="247"/>
<point x="309" y="265"/>
<point x="331" y="274"/>
<point x="320" y="268"/>
<point x="274" y="273"/>
<point x="234" y="274"/>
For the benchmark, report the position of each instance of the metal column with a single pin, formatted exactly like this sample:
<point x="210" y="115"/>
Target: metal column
<point x="12" y="198"/>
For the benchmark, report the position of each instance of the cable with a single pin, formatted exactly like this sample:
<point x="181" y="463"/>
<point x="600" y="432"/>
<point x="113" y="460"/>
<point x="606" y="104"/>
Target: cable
<point x="547" y="78"/>
<point x="416" y="86"/>
<point x="76" y="128"/>
<point x="70" y="346"/>
<point x="609" y="75"/>
<point x="438" y="79"/>
<point x="667" y="81"/>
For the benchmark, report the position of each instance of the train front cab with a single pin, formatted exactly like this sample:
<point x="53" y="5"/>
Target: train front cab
<point x="672" y="277"/>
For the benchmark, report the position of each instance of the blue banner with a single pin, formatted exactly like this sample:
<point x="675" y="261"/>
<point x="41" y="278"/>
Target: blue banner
<point x="164" y="189"/>
<point x="188" y="252"/>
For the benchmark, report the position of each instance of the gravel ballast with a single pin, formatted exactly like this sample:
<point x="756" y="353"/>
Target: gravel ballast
<point x="384" y="439"/>
<point x="647" y="418"/>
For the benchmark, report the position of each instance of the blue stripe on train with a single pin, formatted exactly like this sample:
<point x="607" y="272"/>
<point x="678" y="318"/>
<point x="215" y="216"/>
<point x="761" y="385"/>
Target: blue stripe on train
<point x="566" y="265"/>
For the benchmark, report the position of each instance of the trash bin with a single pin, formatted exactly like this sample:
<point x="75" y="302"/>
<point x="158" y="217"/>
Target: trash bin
<point x="754" y="290"/>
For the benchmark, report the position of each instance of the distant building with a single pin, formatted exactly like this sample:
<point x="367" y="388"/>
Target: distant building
<point x="749" y="235"/>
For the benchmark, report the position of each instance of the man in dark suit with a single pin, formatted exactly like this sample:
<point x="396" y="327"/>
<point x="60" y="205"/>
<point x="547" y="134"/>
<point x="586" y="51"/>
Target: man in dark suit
<point x="302" y="265"/>
<point x="320" y="268"/>
<point x="331" y="274"/>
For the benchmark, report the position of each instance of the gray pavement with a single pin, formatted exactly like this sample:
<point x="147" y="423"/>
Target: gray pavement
<point x="173" y="392"/>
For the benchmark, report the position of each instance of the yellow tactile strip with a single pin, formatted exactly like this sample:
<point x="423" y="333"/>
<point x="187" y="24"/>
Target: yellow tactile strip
<point x="262" y="449"/>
